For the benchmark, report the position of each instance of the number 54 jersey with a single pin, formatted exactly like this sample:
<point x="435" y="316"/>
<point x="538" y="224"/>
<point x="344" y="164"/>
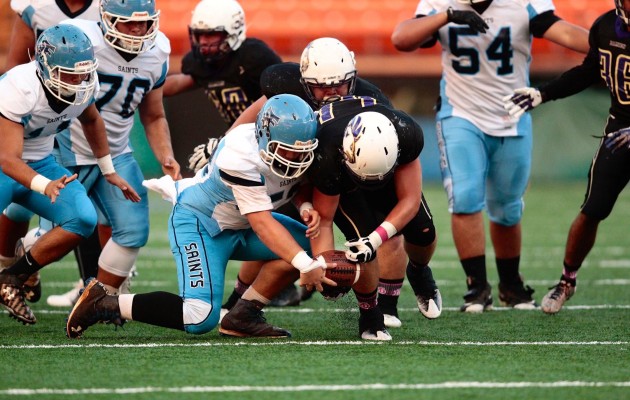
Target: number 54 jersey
<point x="125" y="79"/>
<point x="481" y="68"/>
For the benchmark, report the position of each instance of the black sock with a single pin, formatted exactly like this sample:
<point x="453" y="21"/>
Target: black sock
<point x="160" y="309"/>
<point x="389" y="292"/>
<point x="87" y="254"/>
<point x="475" y="268"/>
<point x="25" y="266"/>
<point x="231" y="301"/>
<point x="508" y="270"/>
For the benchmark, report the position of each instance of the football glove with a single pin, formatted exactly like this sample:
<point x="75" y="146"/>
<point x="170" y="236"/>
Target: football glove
<point x="202" y="154"/>
<point x="361" y="250"/>
<point x="618" y="140"/>
<point x="523" y="99"/>
<point x="470" y="18"/>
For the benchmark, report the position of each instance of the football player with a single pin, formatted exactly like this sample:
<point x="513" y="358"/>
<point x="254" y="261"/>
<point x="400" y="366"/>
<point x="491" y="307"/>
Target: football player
<point x="485" y="153"/>
<point x="133" y="62"/>
<point x="41" y="99"/>
<point x="30" y="20"/>
<point x="609" y="172"/>
<point x="228" y="215"/>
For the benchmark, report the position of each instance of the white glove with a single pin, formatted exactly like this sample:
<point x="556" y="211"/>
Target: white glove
<point x="363" y="249"/>
<point x="202" y="154"/>
<point x="165" y="186"/>
<point x="618" y="140"/>
<point x="523" y="99"/>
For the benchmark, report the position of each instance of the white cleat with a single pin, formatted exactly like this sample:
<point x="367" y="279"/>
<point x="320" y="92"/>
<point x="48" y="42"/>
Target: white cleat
<point x="392" y="321"/>
<point x="67" y="299"/>
<point x="430" y="307"/>
<point x="379" y="335"/>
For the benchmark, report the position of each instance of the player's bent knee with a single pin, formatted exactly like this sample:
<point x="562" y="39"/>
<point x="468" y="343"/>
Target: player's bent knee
<point x="506" y="214"/>
<point x="82" y="223"/>
<point x="199" y="316"/>
<point x="17" y="213"/>
<point x="133" y="237"/>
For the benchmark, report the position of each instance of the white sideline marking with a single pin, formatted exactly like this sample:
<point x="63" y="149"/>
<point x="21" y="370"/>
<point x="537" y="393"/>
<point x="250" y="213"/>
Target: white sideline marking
<point x="300" y="310"/>
<point x="317" y="388"/>
<point x="277" y="342"/>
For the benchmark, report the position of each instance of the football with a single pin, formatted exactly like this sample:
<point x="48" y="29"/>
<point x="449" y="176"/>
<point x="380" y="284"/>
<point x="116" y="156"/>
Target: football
<point x="345" y="274"/>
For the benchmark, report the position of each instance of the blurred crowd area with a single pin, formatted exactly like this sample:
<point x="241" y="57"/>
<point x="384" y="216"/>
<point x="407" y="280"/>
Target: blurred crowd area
<point x="364" y="25"/>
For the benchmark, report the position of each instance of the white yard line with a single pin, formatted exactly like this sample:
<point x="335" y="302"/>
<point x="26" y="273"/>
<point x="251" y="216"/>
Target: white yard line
<point x="316" y="388"/>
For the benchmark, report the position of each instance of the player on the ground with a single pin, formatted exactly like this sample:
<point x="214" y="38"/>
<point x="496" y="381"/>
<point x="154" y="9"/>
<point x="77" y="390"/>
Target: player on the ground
<point x="610" y="169"/>
<point x="228" y="216"/>
<point x="39" y="100"/>
<point x="485" y="153"/>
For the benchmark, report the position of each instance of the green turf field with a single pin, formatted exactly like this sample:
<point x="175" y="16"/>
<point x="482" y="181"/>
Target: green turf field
<point x="581" y="353"/>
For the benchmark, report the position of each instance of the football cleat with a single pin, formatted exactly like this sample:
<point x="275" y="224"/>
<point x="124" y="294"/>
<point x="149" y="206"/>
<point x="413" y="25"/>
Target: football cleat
<point x="33" y="288"/>
<point x="391" y="321"/>
<point x="517" y="296"/>
<point x="12" y="298"/>
<point x="68" y="299"/>
<point x="553" y="301"/>
<point x="427" y="293"/>
<point x="288" y="297"/>
<point x="478" y="299"/>
<point x="372" y="325"/>
<point x="94" y="305"/>
<point x="245" y="319"/>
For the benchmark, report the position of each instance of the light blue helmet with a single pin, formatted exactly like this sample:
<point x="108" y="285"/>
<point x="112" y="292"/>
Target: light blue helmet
<point x="66" y="64"/>
<point x="285" y="128"/>
<point x="115" y="11"/>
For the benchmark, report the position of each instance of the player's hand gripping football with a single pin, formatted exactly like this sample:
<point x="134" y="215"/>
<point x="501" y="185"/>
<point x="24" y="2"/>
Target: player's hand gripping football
<point x="313" y="278"/>
<point x="464" y="17"/>
<point x="618" y="140"/>
<point x="362" y="250"/>
<point x="523" y="99"/>
<point x="202" y="154"/>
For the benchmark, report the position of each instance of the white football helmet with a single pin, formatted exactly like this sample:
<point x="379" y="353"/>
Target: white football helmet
<point x="327" y="62"/>
<point x="370" y="148"/>
<point x="218" y="16"/>
<point x="115" y="11"/>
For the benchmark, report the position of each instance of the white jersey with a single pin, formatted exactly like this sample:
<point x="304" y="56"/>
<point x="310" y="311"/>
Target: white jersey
<point x="479" y="69"/>
<point x="42" y="14"/>
<point x="25" y="101"/>
<point x="123" y="86"/>
<point x="236" y="183"/>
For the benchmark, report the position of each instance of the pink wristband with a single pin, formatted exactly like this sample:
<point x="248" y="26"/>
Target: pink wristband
<point x="386" y="230"/>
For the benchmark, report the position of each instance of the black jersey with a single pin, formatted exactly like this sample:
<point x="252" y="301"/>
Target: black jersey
<point x="327" y="173"/>
<point x="285" y="78"/>
<point x="607" y="61"/>
<point x="233" y="83"/>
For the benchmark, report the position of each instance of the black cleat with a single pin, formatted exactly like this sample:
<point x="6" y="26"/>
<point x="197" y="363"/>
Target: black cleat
<point x="289" y="297"/>
<point x="245" y="319"/>
<point x="372" y="325"/>
<point x="478" y="298"/>
<point x="427" y="293"/>
<point x="94" y="305"/>
<point x="12" y="298"/>
<point x="517" y="296"/>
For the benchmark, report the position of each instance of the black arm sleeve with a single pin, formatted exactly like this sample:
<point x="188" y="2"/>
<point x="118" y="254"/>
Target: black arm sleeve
<point x="430" y="42"/>
<point x="542" y="22"/>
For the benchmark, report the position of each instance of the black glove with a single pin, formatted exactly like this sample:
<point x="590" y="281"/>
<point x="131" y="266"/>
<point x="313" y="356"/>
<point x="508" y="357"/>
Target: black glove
<point x="470" y="18"/>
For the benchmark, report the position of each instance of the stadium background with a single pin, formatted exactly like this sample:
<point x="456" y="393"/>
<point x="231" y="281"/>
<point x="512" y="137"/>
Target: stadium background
<point x="563" y="130"/>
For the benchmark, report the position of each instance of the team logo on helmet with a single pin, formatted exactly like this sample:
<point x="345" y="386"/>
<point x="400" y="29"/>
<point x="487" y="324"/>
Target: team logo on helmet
<point x="44" y="47"/>
<point x="355" y="128"/>
<point x="268" y="120"/>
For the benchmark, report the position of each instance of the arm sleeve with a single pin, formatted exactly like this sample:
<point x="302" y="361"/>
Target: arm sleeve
<point x="542" y="22"/>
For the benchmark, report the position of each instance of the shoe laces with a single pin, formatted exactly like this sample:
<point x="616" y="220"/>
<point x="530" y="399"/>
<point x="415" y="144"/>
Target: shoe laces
<point x="559" y="290"/>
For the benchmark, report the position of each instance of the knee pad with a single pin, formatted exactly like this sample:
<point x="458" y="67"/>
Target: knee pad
<point x="467" y="198"/>
<point x="82" y="222"/>
<point x="507" y="214"/>
<point x="199" y="316"/>
<point x="427" y="236"/>
<point x="132" y="235"/>
<point x="116" y="259"/>
<point x="17" y="213"/>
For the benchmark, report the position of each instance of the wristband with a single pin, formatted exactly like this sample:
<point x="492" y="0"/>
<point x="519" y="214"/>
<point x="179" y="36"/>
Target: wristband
<point x="385" y="231"/>
<point x="39" y="183"/>
<point x="306" y="206"/>
<point x="303" y="262"/>
<point x="106" y="165"/>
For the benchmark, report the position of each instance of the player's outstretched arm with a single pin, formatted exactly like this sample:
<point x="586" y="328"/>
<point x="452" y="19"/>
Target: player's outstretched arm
<point x="568" y="35"/>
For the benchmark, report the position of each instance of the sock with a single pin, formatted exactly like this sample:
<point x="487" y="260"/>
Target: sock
<point x="160" y="309"/>
<point x="87" y="254"/>
<point x="26" y="266"/>
<point x="240" y="287"/>
<point x="237" y="293"/>
<point x="388" y="293"/>
<point x="569" y="273"/>
<point x="366" y="301"/>
<point x="508" y="270"/>
<point x="252" y="295"/>
<point x="475" y="268"/>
